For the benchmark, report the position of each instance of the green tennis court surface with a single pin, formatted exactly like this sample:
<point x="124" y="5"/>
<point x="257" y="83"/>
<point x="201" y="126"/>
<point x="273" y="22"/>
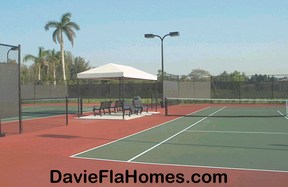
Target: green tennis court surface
<point x="253" y="143"/>
<point x="41" y="108"/>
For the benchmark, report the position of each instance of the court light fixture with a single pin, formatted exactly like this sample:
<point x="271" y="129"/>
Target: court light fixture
<point x="172" y="34"/>
<point x="149" y="35"/>
<point x="15" y="48"/>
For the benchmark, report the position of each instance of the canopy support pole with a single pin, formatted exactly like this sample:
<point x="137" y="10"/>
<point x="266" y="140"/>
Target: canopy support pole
<point x="122" y="92"/>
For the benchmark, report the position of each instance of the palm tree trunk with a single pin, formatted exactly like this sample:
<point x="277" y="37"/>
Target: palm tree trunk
<point x="39" y="72"/>
<point x="54" y="73"/>
<point x="63" y="60"/>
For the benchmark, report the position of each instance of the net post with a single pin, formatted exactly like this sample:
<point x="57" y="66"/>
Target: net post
<point x="66" y="104"/>
<point x="20" y="116"/>
<point x="81" y="106"/>
<point x="78" y="107"/>
<point x="2" y="134"/>
<point x="156" y="95"/>
<point x="166" y="106"/>
<point x="151" y="101"/>
<point x="286" y="108"/>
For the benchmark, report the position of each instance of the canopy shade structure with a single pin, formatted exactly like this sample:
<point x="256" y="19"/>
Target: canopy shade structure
<point x="119" y="72"/>
<point x="115" y="71"/>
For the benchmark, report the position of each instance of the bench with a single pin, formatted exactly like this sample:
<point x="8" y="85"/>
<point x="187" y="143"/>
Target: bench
<point x="139" y="107"/>
<point x="117" y="106"/>
<point x="127" y="107"/>
<point x="105" y="105"/>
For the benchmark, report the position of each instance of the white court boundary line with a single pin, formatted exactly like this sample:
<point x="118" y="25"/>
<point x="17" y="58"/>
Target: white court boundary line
<point x="239" y="132"/>
<point x="282" y="114"/>
<point x="170" y="165"/>
<point x="212" y="167"/>
<point x="173" y="135"/>
<point x="76" y="155"/>
<point x="183" y="165"/>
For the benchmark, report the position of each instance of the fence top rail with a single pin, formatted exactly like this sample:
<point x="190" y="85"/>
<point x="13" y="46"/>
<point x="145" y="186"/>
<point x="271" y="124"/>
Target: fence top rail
<point x="236" y="100"/>
<point x="7" y="45"/>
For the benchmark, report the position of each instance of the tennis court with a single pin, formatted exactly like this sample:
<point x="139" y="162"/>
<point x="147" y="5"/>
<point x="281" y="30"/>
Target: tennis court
<point x="40" y="108"/>
<point x="241" y="137"/>
<point x="194" y="138"/>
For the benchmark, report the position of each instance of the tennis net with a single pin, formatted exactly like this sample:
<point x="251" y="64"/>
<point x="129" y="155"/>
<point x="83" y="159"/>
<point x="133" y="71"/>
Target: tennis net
<point x="229" y="107"/>
<point x="51" y="106"/>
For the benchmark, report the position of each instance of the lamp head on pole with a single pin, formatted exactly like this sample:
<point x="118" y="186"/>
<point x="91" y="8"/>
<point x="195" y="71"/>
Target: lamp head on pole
<point x="149" y="35"/>
<point x="172" y="34"/>
<point x="14" y="48"/>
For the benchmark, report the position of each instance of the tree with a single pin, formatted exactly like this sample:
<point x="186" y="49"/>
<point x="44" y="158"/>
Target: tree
<point x="159" y="75"/>
<point x="78" y="65"/>
<point x="262" y="78"/>
<point x="222" y="77"/>
<point x="63" y="26"/>
<point x="39" y="60"/>
<point x="238" y="76"/>
<point x="199" y="74"/>
<point x="54" y="59"/>
<point x="24" y="73"/>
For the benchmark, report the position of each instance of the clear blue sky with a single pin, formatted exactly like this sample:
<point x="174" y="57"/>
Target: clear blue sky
<point x="250" y="36"/>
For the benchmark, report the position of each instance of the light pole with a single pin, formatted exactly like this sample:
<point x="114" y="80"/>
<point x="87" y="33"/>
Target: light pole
<point x="172" y="34"/>
<point x="17" y="48"/>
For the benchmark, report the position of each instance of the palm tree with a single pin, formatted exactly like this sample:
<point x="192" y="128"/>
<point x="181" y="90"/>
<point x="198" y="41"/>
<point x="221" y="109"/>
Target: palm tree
<point x="54" y="59"/>
<point x="64" y="26"/>
<point x="39" y="60"/>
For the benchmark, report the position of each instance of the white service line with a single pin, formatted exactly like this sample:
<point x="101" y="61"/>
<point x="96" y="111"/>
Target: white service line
<point x="282" y="114"/>
<point x="103" y="145"/>
<point x="239" y="132"/>
<point x="174" y="135"/>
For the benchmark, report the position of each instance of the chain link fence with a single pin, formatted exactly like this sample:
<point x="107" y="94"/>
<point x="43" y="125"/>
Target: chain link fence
<point x="209" y="87"/>
<point x="248" y="87"/>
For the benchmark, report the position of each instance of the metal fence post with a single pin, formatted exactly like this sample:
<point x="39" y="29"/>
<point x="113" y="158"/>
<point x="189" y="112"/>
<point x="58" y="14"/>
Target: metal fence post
<point x="1" y="133"/>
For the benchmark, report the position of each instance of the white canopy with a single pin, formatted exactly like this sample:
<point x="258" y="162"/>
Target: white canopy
<point x="114" y="71"/>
